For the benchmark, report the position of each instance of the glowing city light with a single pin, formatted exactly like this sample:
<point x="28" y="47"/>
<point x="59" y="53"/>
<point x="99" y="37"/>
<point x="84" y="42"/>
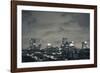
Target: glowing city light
<point x="49" y="44"/>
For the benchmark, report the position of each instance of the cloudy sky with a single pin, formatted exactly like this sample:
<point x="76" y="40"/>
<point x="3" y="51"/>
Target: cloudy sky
<point x="51" y="27"/>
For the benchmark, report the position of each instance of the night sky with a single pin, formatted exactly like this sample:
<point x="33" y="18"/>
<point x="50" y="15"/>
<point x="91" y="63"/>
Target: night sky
<point x="51" y="27"/>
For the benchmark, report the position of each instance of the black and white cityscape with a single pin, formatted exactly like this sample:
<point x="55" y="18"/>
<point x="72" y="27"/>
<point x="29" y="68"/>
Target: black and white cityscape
<point x="55" y="36"/>
<point x="66" y="51"/>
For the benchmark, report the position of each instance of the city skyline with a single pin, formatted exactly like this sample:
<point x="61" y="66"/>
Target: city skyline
<point x="38" y="41"/>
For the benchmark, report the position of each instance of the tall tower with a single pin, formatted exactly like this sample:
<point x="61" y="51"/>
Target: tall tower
<point x="65" y="43"/>
<point x="71" y="44"/>
<point x="85" y="45"/>
<point x="34" y="43"/>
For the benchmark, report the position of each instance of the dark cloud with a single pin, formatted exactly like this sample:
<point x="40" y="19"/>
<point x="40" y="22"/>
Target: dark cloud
<point x="53" y="26"/>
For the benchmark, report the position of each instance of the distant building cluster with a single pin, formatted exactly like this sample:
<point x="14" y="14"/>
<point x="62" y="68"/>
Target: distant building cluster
<point x="66" y="51"/>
